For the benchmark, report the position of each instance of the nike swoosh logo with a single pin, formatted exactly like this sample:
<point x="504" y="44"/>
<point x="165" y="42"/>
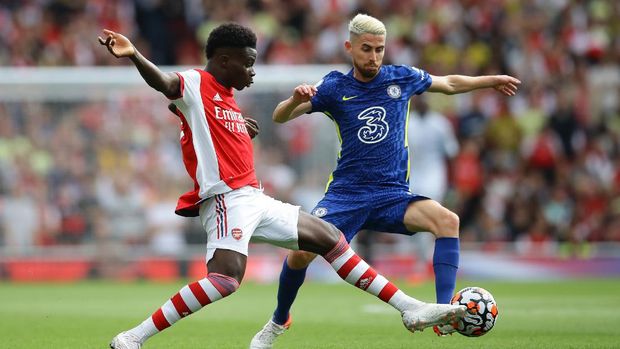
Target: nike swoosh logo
<point x="345" y="98"/>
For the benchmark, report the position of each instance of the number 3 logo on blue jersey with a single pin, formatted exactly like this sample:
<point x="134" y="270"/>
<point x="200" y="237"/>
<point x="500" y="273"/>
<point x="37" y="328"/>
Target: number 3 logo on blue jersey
<point x="376" y="129"/>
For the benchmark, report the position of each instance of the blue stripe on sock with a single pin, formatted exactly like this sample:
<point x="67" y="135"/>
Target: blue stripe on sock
<point x="445" y="265"/>
<point x="290" y="282"/>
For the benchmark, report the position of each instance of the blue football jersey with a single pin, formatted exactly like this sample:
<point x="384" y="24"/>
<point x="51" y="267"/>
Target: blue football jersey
<point x="371" y="122"/>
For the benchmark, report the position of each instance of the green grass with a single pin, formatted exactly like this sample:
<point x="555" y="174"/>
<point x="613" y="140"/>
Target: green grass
<point x="577" y="314"/>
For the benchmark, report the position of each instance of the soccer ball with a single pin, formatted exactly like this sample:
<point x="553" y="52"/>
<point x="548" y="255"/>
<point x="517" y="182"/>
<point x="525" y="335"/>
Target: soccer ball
<point x="481" y="311"/>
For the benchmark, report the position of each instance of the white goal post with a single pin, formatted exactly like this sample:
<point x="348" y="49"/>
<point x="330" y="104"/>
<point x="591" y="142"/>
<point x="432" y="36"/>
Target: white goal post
<point x="97" y="83"/>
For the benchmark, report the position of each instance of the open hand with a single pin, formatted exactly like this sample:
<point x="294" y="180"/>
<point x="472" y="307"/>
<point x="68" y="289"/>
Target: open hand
<point x="117" y="44"/>
<point x="506" y="84"/>
<point x="252" y="126"/>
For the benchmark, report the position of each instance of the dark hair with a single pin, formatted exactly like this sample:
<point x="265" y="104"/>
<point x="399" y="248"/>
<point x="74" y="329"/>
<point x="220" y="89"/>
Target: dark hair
<point x="230" y="35"/>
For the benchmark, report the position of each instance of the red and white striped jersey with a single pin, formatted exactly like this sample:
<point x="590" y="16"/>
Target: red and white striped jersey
<point x="217" y="150"/>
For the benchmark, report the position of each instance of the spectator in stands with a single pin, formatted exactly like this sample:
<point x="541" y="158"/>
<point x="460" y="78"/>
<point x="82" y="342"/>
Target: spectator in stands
<point x="565" y="52"/>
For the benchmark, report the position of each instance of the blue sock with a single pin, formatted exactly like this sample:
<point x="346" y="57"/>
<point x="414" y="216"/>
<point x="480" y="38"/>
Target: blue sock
<point x="290" y="282"/>
<point x="445" y="265"/>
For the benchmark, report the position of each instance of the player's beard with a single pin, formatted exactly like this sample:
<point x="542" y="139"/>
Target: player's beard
<point x="367" y="72"/>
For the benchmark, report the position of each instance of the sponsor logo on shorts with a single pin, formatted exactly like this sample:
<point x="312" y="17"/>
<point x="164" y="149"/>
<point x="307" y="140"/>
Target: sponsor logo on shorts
<point x="319" y="212"/>
<point x="237" y="234"/>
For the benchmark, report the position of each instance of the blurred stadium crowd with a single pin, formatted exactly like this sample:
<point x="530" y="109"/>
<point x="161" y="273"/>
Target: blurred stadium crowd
<point x="542" y="166"/>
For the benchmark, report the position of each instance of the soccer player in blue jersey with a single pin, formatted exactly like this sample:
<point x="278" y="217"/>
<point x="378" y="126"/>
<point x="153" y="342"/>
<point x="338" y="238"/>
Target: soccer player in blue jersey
<point x="369" y="188"/>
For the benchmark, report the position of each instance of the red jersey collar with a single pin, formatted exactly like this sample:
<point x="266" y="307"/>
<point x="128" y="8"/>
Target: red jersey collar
<point x="213" y="81"/>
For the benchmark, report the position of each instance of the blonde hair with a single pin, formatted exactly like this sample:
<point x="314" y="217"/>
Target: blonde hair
<point x="365" y="24"/>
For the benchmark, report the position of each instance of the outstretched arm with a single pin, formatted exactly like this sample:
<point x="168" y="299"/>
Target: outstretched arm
<point x="296" y="105"/>
<point x="120" y="46"/>
<point x="453" y="84"/>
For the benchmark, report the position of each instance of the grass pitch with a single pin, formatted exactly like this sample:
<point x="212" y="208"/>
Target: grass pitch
<point x="575" y="314"/>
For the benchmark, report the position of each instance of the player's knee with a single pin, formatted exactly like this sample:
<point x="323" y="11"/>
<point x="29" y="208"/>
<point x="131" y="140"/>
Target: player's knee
<point x="224" y="284"/>
<point x="333" y="234"/>
<point x="316" y="235"/>
<point x="447" y="224"/>
<point x="330" y="237"/>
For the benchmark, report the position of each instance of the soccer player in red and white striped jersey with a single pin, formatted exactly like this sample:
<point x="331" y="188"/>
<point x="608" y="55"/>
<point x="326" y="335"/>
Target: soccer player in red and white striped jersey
<point x="218" y="156"/>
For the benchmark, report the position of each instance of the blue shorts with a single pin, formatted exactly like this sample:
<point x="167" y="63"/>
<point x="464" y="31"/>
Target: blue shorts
<point x="382" y="211"/>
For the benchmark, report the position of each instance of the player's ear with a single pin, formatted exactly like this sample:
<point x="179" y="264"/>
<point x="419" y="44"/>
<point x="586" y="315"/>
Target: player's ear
<point x="348" y="46"/>
<point x="223" y="60"/>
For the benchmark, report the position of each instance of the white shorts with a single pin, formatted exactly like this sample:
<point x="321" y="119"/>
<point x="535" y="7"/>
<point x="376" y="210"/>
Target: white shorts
<point x="232" y="219"/>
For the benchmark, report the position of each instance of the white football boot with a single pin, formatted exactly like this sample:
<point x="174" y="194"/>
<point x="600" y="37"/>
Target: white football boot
<point x="126" y="340"/>
<point x="420" y="316"/>
<point x="444" y="330"/>
<point x="264" y="338"/>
